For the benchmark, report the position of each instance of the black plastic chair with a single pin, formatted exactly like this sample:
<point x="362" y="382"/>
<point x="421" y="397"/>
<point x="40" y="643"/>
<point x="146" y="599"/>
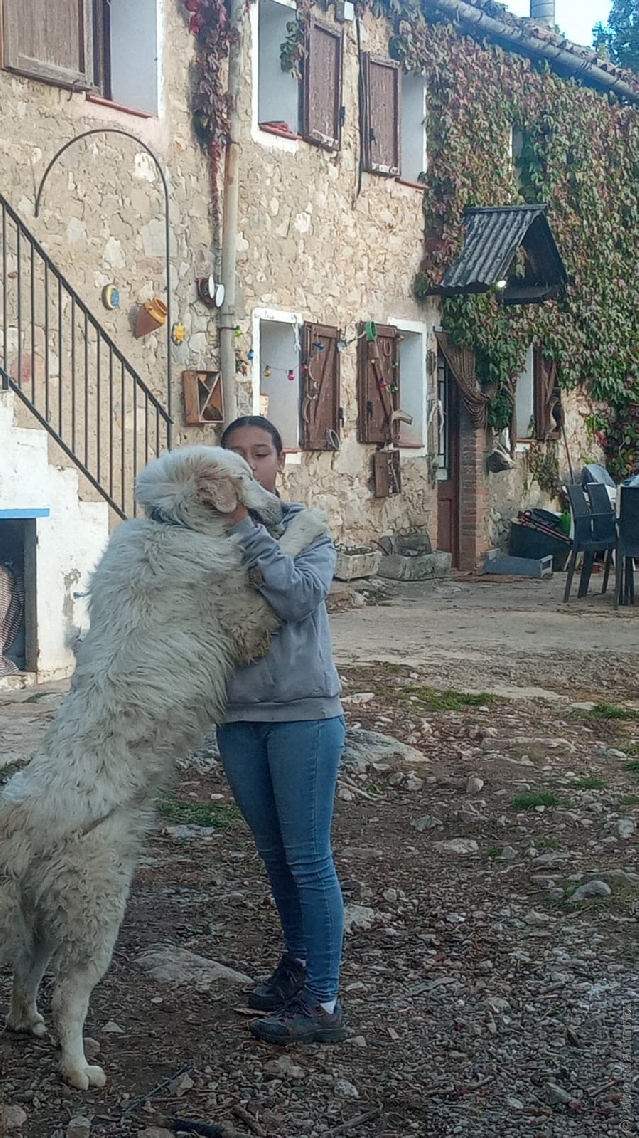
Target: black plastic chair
<point x="604" y="524"/>
<point x="627" y="544"/>
<point x="594" y="533"/>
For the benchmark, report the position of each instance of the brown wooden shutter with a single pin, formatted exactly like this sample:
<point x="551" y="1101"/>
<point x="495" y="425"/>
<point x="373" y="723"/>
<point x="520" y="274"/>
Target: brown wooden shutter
<point x="319" y="388"/>
<point x="322" y="98"/>
<point x="544" y="386"/>
<point x="377" y="377"/>
<point x="50" y="40"/>
<point x="381" y="115"/>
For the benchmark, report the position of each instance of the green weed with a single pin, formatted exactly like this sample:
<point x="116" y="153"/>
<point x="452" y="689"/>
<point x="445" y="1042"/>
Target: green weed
<point x="176" y="812"/>
<point x="528" y="801"/>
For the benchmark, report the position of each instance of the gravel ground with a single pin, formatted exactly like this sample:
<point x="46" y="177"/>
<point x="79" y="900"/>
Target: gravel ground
<point x="489" y="866"/>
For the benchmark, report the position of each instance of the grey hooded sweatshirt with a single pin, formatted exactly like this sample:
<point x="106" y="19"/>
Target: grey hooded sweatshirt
<point x="297" y="679"/>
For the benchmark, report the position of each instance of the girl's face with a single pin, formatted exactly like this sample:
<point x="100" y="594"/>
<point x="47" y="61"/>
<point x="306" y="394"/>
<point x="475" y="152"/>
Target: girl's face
<point x="256" y="447"/>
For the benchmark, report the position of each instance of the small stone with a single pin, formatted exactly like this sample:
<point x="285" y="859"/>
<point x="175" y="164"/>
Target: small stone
<point x="113" y="1027"/>
<point x="156" y="1132"/>
<point x="181" y="1085"/>
<point x="507" y="854"/>
<point x="458" y="846"/>
<point x="557" y="1095"/>
<point x="413" y="782"/>
<point x="344" y="794"/>
<point x="91" y="1048"/>
<point x="13" y="1119"/>
<point x="474" y="784"/>
<point x="359" y="697"/>
<point x="591" y="889"/>
<point x="426" y="822"/>
<point x="79" y="1127"/>
<point x="284" y="1067"/>
<point x="497" y="1004"/>
<point x="626" y="827"/>
<point x="514" y="1103"/>
<point x="343" y="1087"/>
<point x="556" y="893"/>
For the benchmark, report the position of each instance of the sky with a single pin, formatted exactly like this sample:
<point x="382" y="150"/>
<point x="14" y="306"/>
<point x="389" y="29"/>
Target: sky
<point x="576" y="18"/>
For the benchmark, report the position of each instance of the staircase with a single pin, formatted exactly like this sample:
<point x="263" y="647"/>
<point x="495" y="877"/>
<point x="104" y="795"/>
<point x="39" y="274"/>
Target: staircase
<point x="77" y="424"/>
<point x="68" y="374"/>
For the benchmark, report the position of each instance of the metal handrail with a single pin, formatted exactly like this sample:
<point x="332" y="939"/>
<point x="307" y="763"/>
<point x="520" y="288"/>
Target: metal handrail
<point x="66" y="369"/>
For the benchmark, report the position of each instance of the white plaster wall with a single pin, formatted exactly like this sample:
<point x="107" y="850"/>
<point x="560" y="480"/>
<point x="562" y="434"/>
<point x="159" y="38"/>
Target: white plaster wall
<point x="69" y="541"/>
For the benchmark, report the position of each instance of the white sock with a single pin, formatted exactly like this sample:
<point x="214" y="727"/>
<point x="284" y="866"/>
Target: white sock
<point x="300" y="961"/>
<point x="329" y="1006"/>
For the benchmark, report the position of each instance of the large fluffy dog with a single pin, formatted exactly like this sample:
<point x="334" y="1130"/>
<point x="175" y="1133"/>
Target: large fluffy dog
<point x="171" y="613"/>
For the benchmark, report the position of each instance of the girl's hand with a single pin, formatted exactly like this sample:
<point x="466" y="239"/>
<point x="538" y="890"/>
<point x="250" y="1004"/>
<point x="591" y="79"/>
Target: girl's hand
<point x="238" y="515"/>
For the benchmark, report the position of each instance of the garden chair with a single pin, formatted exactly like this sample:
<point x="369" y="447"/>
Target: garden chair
<point x="604" y="523"/>
<point x="627" y="544"/>
<point x="594" y="532"/>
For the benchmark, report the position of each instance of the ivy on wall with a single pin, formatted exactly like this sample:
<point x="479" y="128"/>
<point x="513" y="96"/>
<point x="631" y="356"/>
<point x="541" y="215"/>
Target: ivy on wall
<point x="580" y="155"/>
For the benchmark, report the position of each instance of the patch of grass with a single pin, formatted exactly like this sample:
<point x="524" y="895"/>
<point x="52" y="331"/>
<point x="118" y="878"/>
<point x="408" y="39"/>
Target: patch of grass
<point x="528" y="801"/>
<point x="633" y="766"/>
<point x="629" y="800"/>
<point x="546" y="843"/>
<point x="494" y="851"/>
<point x="394" y="669"/>
<point x="589" y="783"/>
<point x="431" y="699"/>
<point x="177" y="812"/>
<point x="612" y="711"/>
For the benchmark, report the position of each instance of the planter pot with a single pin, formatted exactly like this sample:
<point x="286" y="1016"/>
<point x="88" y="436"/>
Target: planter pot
<point x="151" y="316"/>
<point x="353" y="565"/>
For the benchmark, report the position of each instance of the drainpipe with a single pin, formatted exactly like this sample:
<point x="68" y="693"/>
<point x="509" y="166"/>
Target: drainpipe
<point x="228" y="319"/>
<point x="521" y="39"/>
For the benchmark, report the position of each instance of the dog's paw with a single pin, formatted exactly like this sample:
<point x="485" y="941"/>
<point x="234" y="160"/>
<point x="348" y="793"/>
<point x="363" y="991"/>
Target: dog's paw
<point x="83" y="1077"/>
<point x="33" y="1026"/>
<point x="305" y="527"/>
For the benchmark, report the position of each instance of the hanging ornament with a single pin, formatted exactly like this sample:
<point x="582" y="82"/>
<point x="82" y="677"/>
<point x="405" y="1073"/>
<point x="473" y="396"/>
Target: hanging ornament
<point x="394" y="388"/>
<point x="267" y="372"/>
<point x="305" y="369"/>
<point x="238" y="331"/>
<point x="382" y="383"/>
<point x="250" y="355"/>
<point x="290" y="375"/>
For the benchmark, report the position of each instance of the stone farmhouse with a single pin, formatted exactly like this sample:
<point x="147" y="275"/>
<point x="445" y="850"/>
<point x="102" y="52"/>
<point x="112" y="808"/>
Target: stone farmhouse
<point x="212" y="208"/>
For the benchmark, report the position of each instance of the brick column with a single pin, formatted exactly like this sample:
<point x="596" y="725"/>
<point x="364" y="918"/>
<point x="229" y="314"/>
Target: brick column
<point x="473" y="493"/>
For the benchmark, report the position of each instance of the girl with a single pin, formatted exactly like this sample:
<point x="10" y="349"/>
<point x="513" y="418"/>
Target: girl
<point x="281" y="744"/>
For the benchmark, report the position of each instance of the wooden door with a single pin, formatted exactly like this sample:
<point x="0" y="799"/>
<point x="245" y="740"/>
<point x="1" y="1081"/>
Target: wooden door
<point x="448" y="483"/>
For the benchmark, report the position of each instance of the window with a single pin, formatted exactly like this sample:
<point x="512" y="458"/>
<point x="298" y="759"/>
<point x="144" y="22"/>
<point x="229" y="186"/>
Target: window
<point x="283" y="107"/>
<point x="380" y="115"/>
<point x="277" y="90"/>
<point x="537" y="398"/>
<point x="412" y="388"/>
<point x="106" y="46"/>
<point x="413" y="138"/>
<point x="277" y="360"/>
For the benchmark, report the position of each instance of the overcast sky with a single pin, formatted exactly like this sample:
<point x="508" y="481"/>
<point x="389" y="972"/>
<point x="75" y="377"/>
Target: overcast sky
<point x="576" y="18"/>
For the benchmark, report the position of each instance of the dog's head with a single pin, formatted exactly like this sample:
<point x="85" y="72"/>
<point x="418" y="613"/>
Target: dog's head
<point x="187" y="485"/>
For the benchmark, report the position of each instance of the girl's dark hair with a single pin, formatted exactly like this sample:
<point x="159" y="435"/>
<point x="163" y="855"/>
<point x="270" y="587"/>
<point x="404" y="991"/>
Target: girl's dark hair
<point x="253" y="421"/>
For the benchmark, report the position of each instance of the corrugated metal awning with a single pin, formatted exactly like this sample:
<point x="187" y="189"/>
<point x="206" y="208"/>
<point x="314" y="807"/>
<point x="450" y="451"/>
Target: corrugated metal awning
<point x="493" y="236"/>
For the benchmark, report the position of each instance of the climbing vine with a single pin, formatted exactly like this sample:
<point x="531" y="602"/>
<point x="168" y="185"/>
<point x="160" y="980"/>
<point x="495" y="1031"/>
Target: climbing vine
<point x="579" y="153"/>
<point x="210" y="24"/>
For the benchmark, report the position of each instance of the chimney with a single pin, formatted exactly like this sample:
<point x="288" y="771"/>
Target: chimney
<point x="543" y="11"/>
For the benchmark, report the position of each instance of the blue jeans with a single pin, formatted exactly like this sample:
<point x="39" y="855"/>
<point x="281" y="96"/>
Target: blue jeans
<point x="283" y="778"/>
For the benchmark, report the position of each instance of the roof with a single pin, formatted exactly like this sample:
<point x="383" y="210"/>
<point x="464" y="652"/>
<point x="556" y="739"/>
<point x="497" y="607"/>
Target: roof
<point x="493" y="236"/>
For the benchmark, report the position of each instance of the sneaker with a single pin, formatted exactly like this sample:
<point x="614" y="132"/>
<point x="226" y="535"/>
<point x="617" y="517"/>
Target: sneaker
<point x="287" y="980"/>
<point x="303" y="1020"/>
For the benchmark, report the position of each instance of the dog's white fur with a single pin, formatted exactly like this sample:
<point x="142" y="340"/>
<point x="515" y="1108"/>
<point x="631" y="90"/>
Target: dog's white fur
<point x="171" y="613"/>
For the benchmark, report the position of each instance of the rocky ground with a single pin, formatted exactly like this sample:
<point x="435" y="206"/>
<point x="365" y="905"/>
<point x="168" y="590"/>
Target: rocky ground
<point x="488" y="855"/>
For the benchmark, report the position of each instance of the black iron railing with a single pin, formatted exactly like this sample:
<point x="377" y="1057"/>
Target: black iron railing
<point x="65" y="368"/>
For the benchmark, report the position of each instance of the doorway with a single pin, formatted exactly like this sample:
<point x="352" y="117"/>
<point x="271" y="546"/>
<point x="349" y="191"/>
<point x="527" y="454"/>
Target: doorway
<point x="448" y="480"/>
<point x="18" y="647"/>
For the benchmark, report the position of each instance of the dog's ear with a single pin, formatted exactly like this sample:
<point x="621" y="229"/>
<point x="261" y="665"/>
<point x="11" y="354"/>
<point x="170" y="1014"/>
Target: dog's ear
<point x="218" y="491"/>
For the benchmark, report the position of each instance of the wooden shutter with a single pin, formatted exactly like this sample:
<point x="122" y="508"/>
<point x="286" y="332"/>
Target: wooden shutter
<point x="544" y="386"/>
<point x="319" y="388"/>
<point x="50" y="40"/>
<point x="322" y="98"/>
<point x="381" y="115"/>
<point x="377" y="385"/>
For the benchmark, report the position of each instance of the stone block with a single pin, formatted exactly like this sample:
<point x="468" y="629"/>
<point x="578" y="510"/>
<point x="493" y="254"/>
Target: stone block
<point x="407" y="544"/>
<point x="419" y="568"/>
<point x="356" y="563"/>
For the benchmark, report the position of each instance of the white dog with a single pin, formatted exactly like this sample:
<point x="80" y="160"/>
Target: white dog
<point x="171" y="612"/>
